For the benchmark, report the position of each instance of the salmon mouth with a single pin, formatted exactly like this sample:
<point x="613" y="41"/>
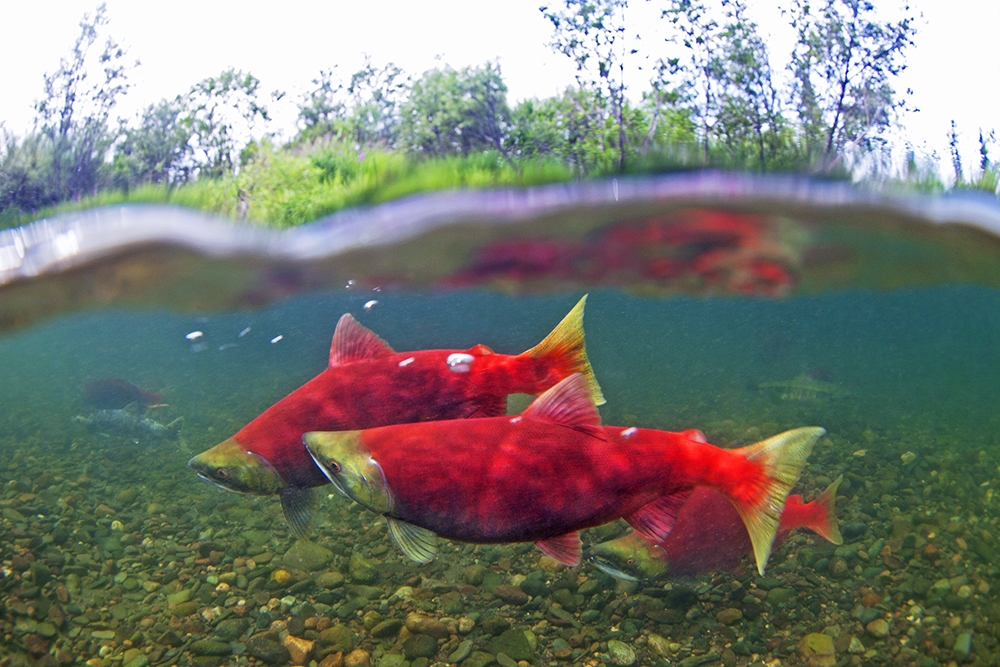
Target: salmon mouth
<point x="606" y="567"/>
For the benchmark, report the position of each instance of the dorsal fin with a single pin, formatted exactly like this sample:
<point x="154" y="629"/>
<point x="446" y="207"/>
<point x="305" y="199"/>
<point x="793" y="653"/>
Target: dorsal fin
<point x="353" y="342"/>
<point x="569" y="403"/>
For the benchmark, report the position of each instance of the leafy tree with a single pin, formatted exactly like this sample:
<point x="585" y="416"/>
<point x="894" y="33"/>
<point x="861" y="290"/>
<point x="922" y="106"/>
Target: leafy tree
<point x="749" y="118"/>
<point x="698" y="33"/>
<point x="456" y="112"/>
<point x="377" y="95"/>
<point x="158" y="150"/>
<point x="323" y="109"/>
<point x="74" y="110"/>
<point x="222" y="114"/>
<point x="843" y="64"/>
<point x="592" y="34"/>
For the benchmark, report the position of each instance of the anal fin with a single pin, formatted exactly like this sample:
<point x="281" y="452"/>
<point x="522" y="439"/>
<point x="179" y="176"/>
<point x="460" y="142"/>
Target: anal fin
<point x="419" y="544"/>
<point x="566" y="549"/>
<point x="299" y="508"/>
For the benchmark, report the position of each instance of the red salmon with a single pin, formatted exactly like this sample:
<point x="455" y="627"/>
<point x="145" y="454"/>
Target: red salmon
<point x="368" y="384"/>
<point x="545" y="474"/>
<point x="708" y="536"/>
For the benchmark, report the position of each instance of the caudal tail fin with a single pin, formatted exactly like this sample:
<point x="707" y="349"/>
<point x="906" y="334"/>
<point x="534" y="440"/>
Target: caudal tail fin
<point x="782" y="459"/>
<point x="566" y="352"/>
<point x="824" y="514"/>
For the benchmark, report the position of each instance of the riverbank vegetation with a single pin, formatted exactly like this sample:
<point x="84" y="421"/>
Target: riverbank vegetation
<point x="712" y="100"/>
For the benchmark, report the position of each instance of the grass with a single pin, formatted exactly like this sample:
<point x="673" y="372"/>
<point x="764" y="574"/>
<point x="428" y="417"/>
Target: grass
<point x="281" y="188"/>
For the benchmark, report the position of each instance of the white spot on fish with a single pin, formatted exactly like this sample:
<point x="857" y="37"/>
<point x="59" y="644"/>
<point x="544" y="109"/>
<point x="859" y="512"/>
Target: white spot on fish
<point x="370" y="304"/>
<point x="460" y="362"/>
<point x="629" y="431"/>
<point x="276" y="339"/>
<point x="515" y="419"/>
<point x="407" y="361"/>
<point x="194" y="335"/>
<point x="243" y="333"/>
<point x="350" y="284"/>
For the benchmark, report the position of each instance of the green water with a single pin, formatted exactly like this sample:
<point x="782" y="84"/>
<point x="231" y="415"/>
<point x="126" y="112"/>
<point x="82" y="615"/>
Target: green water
<point x="911" y="370"/>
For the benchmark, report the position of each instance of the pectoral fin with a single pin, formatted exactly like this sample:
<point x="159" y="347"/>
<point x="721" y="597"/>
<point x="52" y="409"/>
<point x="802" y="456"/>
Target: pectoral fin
<point x="565" y="549"/>
<point x="419" y="544"/>
<point x="655" y="520"/>
<point x="299" y="508"/>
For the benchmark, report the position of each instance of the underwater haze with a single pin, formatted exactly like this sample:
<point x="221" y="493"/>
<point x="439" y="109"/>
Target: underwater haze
<point x="741" y="309"/>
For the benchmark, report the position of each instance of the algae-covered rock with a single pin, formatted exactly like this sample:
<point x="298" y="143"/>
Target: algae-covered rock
<point x="419" y="646"/>
<point x="209" y="647"/>
<point x="361" y="571"/>
<point x="308" y="556"/>
<point x="514" y="644"/>
<point x="337" y="638"/>
<point x="232" y="629"/>
<point x="267" y="650"/>
<point x="817" y="650"/>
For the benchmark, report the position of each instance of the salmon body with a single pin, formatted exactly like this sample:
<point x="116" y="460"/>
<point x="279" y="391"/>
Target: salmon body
<point x="708" y="536"/>
<point x="368" y="384"/>
<point x="548" y="473"/>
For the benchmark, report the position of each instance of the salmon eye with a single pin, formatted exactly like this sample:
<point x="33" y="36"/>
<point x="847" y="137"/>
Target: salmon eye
<point x="222" y="473"/>
<point x="630" y="561"/>
<point x="460" y="362"/>
<point x="334" y="467"/>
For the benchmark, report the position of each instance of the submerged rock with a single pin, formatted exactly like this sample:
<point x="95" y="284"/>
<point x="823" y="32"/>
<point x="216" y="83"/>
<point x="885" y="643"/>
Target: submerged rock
<point x="512" y="643"/>
<point x="817" y="650"/>
<point x="308" y="556"/>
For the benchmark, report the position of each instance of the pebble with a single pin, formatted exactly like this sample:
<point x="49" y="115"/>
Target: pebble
<point x="621" y="653"/>
<point x="879" y="628"/>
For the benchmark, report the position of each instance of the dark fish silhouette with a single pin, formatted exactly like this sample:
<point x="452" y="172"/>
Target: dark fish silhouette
<point x="115" y="394"/>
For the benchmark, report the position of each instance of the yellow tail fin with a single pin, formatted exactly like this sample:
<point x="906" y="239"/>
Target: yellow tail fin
<point x="783" y="458"/>
<point x="567" y="351"/>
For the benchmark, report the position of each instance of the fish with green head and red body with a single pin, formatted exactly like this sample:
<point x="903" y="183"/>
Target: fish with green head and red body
<point x="708" y="536"/>
<point x="368" y="384"/>
<point x="548" y="473"/>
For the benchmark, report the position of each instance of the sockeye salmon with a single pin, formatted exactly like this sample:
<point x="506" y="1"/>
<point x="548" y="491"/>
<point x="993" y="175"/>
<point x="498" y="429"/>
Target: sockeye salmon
<point x="708" y="536"/>
<point x="545" y="474"/>
<point x="368" y="384"/>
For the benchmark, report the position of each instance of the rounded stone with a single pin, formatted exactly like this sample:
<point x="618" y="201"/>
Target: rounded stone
<point x="419" y="624"/>
<point x="879" y="628"/>
<point x="621" y="653"/>
<point x="729" y="616"/>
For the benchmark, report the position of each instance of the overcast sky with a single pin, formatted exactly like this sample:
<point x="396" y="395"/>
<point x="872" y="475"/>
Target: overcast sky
<point x="953" y="70"/>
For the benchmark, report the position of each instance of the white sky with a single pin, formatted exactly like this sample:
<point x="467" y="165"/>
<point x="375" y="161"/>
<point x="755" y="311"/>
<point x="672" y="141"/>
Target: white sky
<point x="953" y="71"/>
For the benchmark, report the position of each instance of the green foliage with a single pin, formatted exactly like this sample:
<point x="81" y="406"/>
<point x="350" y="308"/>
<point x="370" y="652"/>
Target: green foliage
<point x="843" y="64"/>
<point x="711" y="101"/>
<point x="72" y="120"/>
<point x="222" y="112"/>
<point x="591" y="33"/>
<point x="157" y="150"/>
<point x="456" y="112"/>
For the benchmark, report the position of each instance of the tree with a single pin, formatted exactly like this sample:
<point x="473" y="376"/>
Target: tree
<point x="698" y="32"/>
<point x="456" y="112"/>
<point x="749" y="118"/>
<point x="222" y="113"/>
<point x="322" y="110"/>
<point x="377" y="94"/>
<point x="592" y="34"/>
<point x="158" y="149"/>
<point x="843" y="64"/>
<point x="74" y="110"/>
